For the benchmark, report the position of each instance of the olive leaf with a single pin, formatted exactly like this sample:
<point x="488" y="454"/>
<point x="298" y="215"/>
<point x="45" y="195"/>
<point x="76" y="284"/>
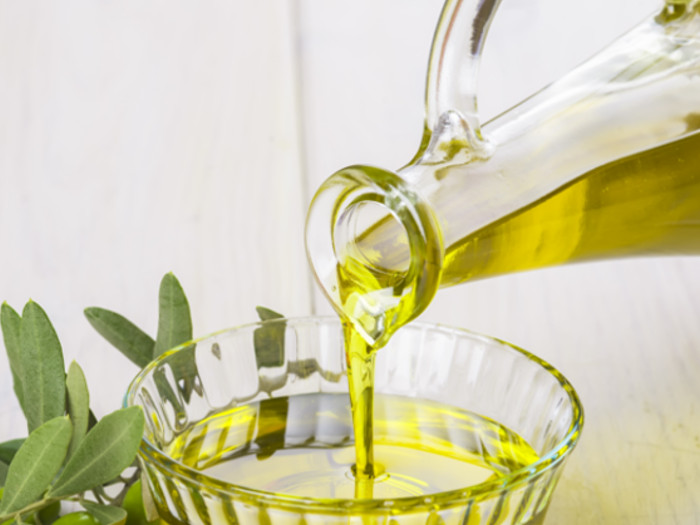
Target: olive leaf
<point x="103" y="454"/>
<point x="3" y="472"/>
<point x="269" y="338"/>
<point x="10" y="321"/>
<point x="270" y="435"/>
<point x="124" y="335"/>
<point x="269" y="349"/>
<point x="42" y="367"/>
<point x="149" y="506"/>
<point x="92" y="420"/>
<point x="8" y="449"/>
<point x="105" y="514"/>
<point x="99" y="451"/>
<point x="78" y="399"/>
<point x="265" y="314"/>
<point x="36" y="463"/>
<point x="174" y="320"/>
<point x="169" y="392"/>
<point x="174" y="329"/>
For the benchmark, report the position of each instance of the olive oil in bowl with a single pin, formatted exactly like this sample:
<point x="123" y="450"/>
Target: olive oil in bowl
<point x="466" y="429"/>
<point x="303" y="446"/>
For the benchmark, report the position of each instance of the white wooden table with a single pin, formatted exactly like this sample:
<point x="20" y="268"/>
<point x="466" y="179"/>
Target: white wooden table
<point x="138" y="138"/>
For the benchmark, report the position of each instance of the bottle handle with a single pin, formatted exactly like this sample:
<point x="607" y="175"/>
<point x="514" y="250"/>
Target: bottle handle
<point x="375" y="297"/>
<point x="453" y="70"/>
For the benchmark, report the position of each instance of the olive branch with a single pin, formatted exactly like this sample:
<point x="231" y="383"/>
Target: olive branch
<point x="68" y="455"/>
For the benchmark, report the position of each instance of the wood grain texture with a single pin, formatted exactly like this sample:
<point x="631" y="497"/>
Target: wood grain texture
<point x="139" y="138"/>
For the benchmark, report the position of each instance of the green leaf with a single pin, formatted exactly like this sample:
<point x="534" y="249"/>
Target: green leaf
<point x="174" y="329"/>
<point x="149" y="506"/>
<point x="107" y="449"/>
<point x="269" y="338"/>
<point x="174" y="320"/>
<point x="124" y="335"/>
<point x="265" y="314"/>
<point x="182" y="366"/>
<point x="36" y="463"/>
<point x="270" y="433"/>
<point x="8" y="449"/>
<point x="10" y="321"/>
<point x="3" y="472"/>
<point x="92" y="420"/>
<point x="43" y="372"/>
<point x="78" y="404"/>
<point x="106" y="514"/>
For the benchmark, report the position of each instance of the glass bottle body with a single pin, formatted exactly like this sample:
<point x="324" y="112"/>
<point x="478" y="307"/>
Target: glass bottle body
<point x="603" y="163"/>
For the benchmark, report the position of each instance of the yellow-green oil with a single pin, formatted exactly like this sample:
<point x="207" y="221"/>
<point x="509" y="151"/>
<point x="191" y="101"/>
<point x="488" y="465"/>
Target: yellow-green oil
<point x="329" y="446"/>
<point x="646" y="203"/>
<point x="643" y="204"/>
<point x="303" y="446"/>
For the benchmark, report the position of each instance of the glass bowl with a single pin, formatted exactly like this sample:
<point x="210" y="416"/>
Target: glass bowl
<point x="299" y="365"/>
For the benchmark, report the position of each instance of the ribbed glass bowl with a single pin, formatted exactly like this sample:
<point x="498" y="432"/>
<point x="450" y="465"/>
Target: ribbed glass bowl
<point x="294" y="357"/>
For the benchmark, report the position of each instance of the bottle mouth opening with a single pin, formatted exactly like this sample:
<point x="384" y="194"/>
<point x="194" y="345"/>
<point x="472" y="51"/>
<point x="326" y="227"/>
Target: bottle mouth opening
<point x="364" y="220"/>
<point x="375" y="248"/>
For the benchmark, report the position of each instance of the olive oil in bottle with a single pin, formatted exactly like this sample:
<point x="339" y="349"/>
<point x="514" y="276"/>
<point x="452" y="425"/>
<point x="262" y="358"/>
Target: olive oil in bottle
<point x="647" y="203"/>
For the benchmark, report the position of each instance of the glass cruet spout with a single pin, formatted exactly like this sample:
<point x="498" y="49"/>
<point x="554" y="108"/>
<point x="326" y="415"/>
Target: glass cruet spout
<point x="602" y="163"/>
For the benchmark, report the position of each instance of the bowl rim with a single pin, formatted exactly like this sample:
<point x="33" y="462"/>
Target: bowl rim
<point x="446" y="499"/>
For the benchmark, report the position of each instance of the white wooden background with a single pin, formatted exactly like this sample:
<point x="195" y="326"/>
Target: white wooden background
<point x="138" y="138"/>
